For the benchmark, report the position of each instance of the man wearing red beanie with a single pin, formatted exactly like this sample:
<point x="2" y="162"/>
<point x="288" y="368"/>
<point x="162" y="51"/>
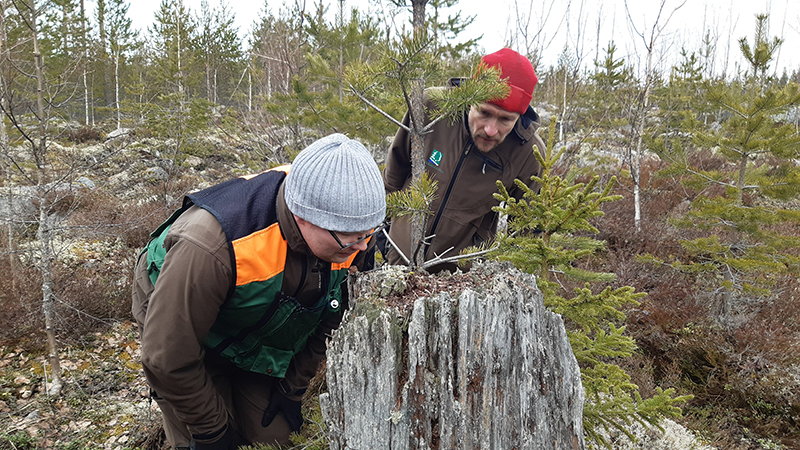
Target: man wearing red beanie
<point x="493" y="141"/>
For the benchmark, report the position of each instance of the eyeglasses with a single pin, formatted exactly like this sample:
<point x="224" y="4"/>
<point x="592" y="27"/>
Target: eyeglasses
<point x="375" y="231"/>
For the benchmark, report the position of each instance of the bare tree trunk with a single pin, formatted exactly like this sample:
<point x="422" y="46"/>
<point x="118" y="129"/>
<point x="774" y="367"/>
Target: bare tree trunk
<point x="486" y="368"/>
<point x="417" y="119"/>
<point x="418" y="221"/>
<point x="341" y="50"/>
<point x="563" y="102"/>
<point x="45" y="237"/>
<point x="11" y="247"/>
<point x="740" y="181"/>
<point x="116" y="91"/>
<point x="101" y="28"/>
<point x="178" y="38"/>
<point x="208" y="82"/>
<point x="418" y="16"/>
<point x="4" y="150"/>
<point x="636" y="156"/>
<point x="85" y="61"/>
<point x="45" y="233"/>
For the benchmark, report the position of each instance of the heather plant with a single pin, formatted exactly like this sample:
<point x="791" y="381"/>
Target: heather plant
<point x="743" y="374"/>
<point x="549" y="234"/>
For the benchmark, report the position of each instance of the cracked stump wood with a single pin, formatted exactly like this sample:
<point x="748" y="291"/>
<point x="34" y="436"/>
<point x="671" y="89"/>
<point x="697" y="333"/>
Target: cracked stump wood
<point x="474" y="361"/>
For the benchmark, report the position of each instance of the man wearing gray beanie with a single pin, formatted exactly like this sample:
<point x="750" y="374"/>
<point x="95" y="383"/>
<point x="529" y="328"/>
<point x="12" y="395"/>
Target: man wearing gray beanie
<point x="237" y="292"/>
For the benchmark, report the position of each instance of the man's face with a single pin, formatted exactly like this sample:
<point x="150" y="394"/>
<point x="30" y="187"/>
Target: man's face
<point x="490" y="125"/>
<point x="324" y="245"/>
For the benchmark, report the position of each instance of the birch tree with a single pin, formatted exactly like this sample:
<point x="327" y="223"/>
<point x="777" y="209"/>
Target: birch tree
<point x="121" y="39"/>
<point x="173" y="34"/>
<point x="649" y="40"/>
<point x="41" y="177"/>
<point x="532" y="21"/>
<point x="102" y="53"/>
<point x="84" y="66"/>
<point x="32" y="91"/>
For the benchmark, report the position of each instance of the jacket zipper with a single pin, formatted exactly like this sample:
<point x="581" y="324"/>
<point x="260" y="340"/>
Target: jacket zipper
<point x="490" y="162"/>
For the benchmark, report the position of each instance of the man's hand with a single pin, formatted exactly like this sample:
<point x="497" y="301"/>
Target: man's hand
<point x="290" y="409"/>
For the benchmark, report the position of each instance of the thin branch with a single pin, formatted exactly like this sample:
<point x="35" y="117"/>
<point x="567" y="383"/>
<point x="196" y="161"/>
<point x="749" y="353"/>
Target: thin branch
<point x="400" y="252"/>
<point x="440" y="260"/>
<point x="382" y="112"/>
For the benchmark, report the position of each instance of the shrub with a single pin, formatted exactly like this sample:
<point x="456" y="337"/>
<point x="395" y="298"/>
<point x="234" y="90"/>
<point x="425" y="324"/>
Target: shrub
<point x="84" y="134"/>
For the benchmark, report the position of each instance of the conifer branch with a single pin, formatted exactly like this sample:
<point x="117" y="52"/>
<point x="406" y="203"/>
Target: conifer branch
<point x="380" y="111"/>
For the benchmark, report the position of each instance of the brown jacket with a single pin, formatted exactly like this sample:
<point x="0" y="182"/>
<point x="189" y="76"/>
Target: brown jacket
<point x="462" y="210"/>
<point x="193" y="283"/>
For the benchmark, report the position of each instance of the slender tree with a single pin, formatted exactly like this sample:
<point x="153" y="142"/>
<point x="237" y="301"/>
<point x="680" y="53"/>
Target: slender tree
<point x="4" y="147"/>
<point x="640" y="119"/>
<point x="533" y="21"/>
<point x="121" y="39"/>
<point x="103" y="54"/>
<point x="173" y="34"/>
<point x="40" y="177"/>
<point x="85" y="63"/>
<point x="218" y="46"/>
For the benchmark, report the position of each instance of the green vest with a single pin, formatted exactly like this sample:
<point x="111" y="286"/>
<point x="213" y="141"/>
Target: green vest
<point x="259" y="328"/>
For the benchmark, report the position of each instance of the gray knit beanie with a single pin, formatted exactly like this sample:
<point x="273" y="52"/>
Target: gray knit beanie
<point x="335" y="184"/>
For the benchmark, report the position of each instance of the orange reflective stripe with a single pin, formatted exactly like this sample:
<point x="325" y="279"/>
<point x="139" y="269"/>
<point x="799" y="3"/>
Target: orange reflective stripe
<point x="260" y="256"/>
<point x="345" y="264"/>
<point x="349" y="261"/>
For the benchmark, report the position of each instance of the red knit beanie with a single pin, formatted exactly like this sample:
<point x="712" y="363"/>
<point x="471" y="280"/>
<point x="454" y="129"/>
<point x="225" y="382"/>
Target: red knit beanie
<point x="517" y="70"/>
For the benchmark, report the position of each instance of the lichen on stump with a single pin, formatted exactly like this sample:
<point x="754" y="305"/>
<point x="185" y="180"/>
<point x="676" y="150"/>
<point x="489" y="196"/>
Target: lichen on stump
<point x="464" y="361"/>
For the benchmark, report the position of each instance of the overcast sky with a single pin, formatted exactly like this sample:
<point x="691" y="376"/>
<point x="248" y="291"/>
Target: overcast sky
<point x="729" y="20"/>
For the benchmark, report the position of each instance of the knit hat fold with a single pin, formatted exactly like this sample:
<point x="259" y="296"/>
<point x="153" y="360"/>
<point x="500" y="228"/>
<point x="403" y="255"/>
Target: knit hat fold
<point x="335" y="184"/>
<point x="518" y="72"/>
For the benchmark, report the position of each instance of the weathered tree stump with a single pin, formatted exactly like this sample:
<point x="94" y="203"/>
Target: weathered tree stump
<point x="469" y="361"/>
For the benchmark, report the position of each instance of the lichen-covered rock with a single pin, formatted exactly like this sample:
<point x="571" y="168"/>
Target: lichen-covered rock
<point x="673" y="437"/>
<point x="467" y="361"/>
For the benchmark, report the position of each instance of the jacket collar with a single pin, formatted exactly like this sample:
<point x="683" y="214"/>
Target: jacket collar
<point x="289" y="229"/>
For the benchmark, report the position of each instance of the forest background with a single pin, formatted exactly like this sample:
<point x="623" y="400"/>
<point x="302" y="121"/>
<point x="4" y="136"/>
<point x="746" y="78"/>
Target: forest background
<point x="105" y="128"/>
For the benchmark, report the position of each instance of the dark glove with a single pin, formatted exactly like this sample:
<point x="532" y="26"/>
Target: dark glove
<point x="290" y="409"/>
<point x="228" y="441"/>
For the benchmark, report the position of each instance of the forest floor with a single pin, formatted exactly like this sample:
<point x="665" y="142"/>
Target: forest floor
<point x="105" y="401"/>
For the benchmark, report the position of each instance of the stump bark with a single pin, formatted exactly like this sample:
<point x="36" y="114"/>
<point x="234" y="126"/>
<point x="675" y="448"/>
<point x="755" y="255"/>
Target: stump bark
<point x="468" y="361"/>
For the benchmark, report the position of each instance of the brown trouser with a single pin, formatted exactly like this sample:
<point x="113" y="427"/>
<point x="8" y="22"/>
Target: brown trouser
<point x="246" y="394"/>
